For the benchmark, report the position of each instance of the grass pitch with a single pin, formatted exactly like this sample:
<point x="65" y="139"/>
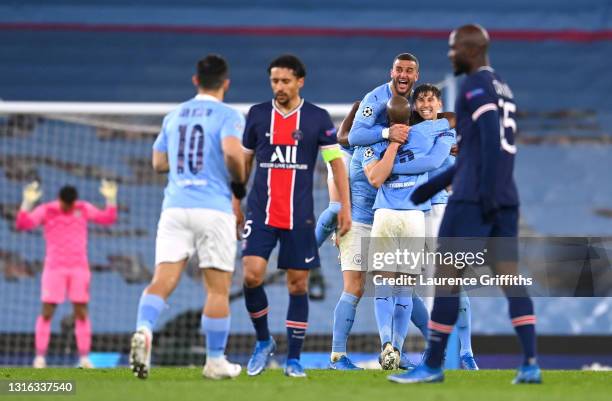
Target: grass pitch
<point x="184" y="384"/>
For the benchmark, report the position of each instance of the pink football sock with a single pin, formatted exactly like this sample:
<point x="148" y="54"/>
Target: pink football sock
<point x="82" y="332"/>
<point x="43" y="332"/>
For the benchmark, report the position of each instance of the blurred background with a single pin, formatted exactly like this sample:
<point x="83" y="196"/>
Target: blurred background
<point x="555" y="56"/>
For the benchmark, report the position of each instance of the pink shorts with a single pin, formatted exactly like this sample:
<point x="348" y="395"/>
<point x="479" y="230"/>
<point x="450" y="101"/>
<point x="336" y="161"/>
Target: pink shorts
<point x="55" y="283"/>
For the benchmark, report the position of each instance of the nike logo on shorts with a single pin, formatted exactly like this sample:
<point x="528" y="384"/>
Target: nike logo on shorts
<point x="308" y="260"/>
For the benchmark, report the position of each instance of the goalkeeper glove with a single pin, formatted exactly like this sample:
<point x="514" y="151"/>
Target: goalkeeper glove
<point x="238" y="189"/>
<point x="108" y="189"/>
<point x="31" y="194"/>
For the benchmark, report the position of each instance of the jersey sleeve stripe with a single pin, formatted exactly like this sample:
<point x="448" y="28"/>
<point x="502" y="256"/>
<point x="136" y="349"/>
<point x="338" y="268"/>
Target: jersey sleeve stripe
<point x="247" y="150"/>
<point x="483" y="109"/>
<point x="333" y="146"/>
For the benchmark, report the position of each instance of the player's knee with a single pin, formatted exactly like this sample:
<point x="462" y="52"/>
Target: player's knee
<point x="80" y="311"/>
<point x="47" y="311"/>
<point x="354" y="287"/>
<point x="297" y="285"/>
<point x="252" y="278"/>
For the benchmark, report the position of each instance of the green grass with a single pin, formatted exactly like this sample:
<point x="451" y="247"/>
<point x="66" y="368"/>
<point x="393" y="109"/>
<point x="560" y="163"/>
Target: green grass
<point x="184" y="384"/>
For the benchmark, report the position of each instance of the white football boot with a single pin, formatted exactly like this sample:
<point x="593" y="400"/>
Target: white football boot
<point x="140" y="353"/>
<point x="220" y="368"/>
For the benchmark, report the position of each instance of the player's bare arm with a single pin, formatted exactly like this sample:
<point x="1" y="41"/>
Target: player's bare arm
<point x="378" y="171"/>
<point x="160" y="162"/>
<point x="346" y="124"/>
<point x="248" y="164"/>
<point x="234" y="158"/>
<point x="342" y="186"/>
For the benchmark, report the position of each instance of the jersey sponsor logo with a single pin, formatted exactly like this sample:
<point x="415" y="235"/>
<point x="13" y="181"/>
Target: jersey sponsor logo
<point x="284" y="157"/>
<point x="367" y="111"/>
<point x="398" y="185"/>
<point x="289" y="156"/>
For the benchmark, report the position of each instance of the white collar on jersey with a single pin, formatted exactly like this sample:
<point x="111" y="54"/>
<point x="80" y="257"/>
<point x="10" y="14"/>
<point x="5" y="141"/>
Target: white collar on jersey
<point x="486" y="68"/>
<point x="291" y="112"/>
<point x="203" y="96"/>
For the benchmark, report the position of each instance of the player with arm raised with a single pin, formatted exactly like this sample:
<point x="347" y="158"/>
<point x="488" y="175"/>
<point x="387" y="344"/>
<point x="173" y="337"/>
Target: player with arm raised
<point x="283" y="137"/>
<point x="66" y="267"/>
<point x="369" y="123"/>
<point x="399" y="224"/>
<point x="199" y="147"/>
<point x="484" y="202"/>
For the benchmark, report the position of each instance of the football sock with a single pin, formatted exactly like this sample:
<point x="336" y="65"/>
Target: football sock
<point x="149" y="309"/>
<point x="82" y="332"/>
<point x="43" y="333"/>
<point x="523" y="320"/>
<point x="383" y="311"/>
<point x="443" y="317"/>
<point x="420" y="315"/>
<point x="327" y="222"/>
<point x="344" y="316"/>
<point x="401" y="320"/>
<point x="257" y="306"/>
<point x="464" y="325"/>
<point x="297" y="323"/>
<point x="216" y="331"/>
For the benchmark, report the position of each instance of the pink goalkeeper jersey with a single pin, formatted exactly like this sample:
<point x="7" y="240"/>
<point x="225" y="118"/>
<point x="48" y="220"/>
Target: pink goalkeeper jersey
<point x="65" y="233"/>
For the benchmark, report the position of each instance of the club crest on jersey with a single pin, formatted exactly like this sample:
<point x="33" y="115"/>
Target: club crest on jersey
<point x="298" y="135"/>
<point x="289" y="155"/>
<point x="367" y="111"/>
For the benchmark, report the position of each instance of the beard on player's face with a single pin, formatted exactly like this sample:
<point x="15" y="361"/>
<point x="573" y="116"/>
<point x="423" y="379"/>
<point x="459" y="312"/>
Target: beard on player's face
<point x="282" y="98"/>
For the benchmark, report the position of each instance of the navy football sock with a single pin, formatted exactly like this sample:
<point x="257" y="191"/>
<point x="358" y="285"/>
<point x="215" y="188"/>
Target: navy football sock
<point x="443" y="317"/>
<point x="523" y="320"/>
<point x="257" y="305"/>
<point x="297" y="323"/>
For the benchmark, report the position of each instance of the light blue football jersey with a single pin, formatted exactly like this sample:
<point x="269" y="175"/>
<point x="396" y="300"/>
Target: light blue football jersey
<point x="192" y="135"/>
<point x="363" y="194"/>
<point x="371" y="117"/>
<point x="396" y="190"/>
<point x="442" y="196"/>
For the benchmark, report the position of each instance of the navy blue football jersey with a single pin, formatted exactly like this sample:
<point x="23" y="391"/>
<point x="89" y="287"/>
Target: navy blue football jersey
<point x="482" y="92"/>
<point x="286" y="147"/>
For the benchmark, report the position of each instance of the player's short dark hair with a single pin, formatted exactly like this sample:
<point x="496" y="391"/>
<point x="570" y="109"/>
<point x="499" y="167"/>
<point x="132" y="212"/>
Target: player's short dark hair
<point x="408" y="57"/>
<point x="68" y="194"/>
<point x="426" y="88"/>
<point x="290" y="62"/>
<point x="212" y="71"/>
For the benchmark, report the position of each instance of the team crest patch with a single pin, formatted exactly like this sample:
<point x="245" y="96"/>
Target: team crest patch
<point x="330" y="132"/>
<point x="369" y="152"/>
<point x="367" y="111"/>
<point x="297" y="135"/>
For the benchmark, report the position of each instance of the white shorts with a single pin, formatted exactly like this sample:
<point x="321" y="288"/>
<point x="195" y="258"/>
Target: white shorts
<point x="351" y="255"/>
<point x="346" y="158"/>
<point x="433" y="219"/>
<point x="398" y="230"/>
<point x="210" y="233"/>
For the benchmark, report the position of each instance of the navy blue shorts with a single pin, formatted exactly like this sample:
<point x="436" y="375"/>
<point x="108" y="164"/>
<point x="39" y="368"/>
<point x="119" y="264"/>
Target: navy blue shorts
<point x="298" y="247"/>
<point x="464" y="220"/>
